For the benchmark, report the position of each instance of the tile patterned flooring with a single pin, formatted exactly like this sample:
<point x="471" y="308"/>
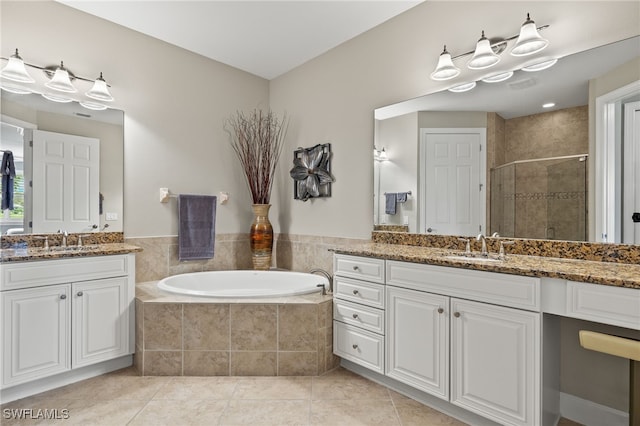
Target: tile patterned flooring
<point x="125" y="398"/>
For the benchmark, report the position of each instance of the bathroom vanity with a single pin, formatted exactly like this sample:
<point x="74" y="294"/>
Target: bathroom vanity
<point x="461" y="334"/>
<point x="65" y="318"/>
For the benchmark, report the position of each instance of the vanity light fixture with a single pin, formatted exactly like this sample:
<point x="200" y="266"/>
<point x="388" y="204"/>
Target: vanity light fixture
<point x="59" y="87"/>
<point x="61" y="80"/>
<point x="497" y="78"/>
<point x="529" y="40"/>
<point x="380" y="154"/>
<point x="484" y="56"/>
<point x="445" y="69"/>
<point x="15" y="70"/>
<point x="539" y="66"/>
<point x="464" y="87"/>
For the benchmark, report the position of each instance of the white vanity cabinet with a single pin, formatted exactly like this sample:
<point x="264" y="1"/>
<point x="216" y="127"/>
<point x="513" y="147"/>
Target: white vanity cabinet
<point x="358" y="311"/>
<point x="64" y="314"/>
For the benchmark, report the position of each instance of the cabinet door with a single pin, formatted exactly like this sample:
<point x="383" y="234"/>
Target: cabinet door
<point x="35" y="333"/>
<point x="495" y="368"/>
<point x="418" y="340"/>
<point x="100" y="320"/>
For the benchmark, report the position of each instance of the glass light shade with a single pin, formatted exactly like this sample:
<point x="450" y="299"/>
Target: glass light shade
<point x="529" y="40"/>
<point x="100" y="91"/>
<point x="15" y="70"/>
<point x="483" y="57"/>
<point x="93" y="106"/>
<point x="497" y="78"/>
<point x="56" y="98"/>
<point x="61" y="81"/>
<point x="465" y="87"/>
<point x="445" y="69"/>
<point x="15" y="88"/>
<point x="539" y="66"/>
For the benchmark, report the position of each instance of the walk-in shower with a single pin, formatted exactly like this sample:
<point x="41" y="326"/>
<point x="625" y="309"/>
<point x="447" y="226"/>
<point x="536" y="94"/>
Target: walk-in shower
<point x="541" y="198"/>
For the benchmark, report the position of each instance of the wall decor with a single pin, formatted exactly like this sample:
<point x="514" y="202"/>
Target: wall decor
<point x="312" y="172"/>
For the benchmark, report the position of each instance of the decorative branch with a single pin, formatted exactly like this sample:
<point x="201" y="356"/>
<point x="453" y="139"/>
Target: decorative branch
<point x="257" y="139"/>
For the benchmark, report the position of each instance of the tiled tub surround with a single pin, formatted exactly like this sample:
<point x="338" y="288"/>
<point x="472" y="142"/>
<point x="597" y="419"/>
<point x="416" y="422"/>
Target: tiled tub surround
<point x="193" y="336"/>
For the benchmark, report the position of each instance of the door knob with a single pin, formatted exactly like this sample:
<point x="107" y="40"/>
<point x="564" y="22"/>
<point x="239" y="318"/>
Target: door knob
<point x="429" y="229"/>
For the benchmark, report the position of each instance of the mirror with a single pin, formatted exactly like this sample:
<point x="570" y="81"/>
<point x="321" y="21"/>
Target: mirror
<point x="532" y="170"/>
<point x="25" y="117"/>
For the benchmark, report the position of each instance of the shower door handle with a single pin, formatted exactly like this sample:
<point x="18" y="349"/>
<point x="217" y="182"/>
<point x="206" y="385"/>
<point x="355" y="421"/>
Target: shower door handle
<point x="635" y="217"/>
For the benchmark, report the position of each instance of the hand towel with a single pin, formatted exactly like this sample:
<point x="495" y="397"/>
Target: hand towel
<point x="402" y="197"/>
<point x="8" y="171"/>
<point x="390" y="202"/>
<point x="197" y="226"/>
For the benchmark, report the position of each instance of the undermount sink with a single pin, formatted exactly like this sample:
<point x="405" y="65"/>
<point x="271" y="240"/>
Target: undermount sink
<point x="478" y="259"/>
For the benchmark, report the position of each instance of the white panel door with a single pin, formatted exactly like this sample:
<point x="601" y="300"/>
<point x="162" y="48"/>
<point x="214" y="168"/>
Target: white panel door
<point x="452" y="181"/>
<point x="100" y="320"/>
<point x="35" y="333"/>
<point x="66" y="182"/>
<point x="418" y="340"/>
<point x="495" y="362"/>
<point x="631" y="181"/>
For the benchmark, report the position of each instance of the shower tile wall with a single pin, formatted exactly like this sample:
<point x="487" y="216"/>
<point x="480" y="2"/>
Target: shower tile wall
<point x="541" y="199"/>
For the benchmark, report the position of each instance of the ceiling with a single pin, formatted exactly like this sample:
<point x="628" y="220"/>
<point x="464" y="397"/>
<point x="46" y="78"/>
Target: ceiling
<point x="265" y="38"/>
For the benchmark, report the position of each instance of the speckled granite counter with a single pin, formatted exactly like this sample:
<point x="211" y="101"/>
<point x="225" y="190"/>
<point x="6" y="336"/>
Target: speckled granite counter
<point x="607" y="273"/>
<point x="36" y="253"/>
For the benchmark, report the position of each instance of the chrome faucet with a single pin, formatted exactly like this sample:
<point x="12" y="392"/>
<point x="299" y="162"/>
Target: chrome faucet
<point x="483" y="251"/>
<point x="65" y="234"/>
<point x="326" y="275"/>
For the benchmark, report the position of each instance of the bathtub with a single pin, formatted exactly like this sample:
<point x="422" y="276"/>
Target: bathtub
<point x="243" y="284"/>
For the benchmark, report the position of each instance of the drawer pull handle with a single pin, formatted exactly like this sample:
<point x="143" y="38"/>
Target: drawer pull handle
<point x="354" y="346"/>
<point x="355" y="292"/>
<point x="355" y="316"/>
<point x="63" y="296"/>
<point x="440" y="310"/>
<point x="79" y="294"/>
<point x="356" y="268"/>
<point x="456" y="314"/>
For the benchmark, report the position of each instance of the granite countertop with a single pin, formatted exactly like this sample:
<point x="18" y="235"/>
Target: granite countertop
<point x="37" y="253"/>
<point x="606" y="273"/>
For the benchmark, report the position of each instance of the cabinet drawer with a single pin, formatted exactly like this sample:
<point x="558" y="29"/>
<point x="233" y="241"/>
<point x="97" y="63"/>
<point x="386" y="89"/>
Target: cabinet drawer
<point x="600" y="303"/>
<point x="357" y="291"/>
<point x="58" y="271"/>
<point x="364" y="268"/>
<point x="358" y="315"/>
<point x="492" y="287"/>
<point x="359" y="346"/>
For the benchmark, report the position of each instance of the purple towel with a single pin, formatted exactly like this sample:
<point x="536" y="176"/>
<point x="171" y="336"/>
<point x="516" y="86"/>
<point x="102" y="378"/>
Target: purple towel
<point x="197" y="226"/>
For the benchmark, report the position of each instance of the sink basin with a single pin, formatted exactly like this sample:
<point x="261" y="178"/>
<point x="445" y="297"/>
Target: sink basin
<point x="473" y="259"/>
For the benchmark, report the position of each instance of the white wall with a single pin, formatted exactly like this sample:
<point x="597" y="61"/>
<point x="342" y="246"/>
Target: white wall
<point x="175" y="103"/>
<point x="332" y="97"/>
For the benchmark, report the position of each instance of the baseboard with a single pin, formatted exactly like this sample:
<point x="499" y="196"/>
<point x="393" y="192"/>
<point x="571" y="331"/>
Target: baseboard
<point x="590" y="413"/>
<point x="42" y="385"/>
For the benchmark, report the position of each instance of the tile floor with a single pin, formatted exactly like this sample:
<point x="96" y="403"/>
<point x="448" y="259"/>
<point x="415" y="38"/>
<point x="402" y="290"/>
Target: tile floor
<point x="124" y="398"/>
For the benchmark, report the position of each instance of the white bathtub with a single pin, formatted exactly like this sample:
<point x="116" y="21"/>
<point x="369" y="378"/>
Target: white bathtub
<point x="243" y="284"/>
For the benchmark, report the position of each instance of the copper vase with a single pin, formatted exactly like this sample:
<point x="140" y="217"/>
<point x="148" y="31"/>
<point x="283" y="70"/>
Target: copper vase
<point x="261" y="237"/>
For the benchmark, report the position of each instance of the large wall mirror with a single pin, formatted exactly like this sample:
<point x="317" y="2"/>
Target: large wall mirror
<point x="498" y="158"/>
<point x="69" y="166"/>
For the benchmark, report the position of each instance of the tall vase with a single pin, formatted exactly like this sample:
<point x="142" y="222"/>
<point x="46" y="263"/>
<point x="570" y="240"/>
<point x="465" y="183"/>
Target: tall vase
<point x="261" y="237"/>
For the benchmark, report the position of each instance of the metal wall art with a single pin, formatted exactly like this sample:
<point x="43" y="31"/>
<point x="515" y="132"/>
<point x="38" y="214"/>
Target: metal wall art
<point x="312" y="172"/>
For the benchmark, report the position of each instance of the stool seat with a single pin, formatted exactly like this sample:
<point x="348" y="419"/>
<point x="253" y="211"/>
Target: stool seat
<point x="608" y="344"/>
<point x="624" y="348"/>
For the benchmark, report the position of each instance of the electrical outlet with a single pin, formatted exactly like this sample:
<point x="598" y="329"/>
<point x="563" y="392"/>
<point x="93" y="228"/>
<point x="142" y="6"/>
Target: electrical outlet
<point x="111" y="216"/>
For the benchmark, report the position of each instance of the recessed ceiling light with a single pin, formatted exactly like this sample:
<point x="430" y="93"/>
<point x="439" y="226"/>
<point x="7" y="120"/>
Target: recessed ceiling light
<point x="549" y="105"/>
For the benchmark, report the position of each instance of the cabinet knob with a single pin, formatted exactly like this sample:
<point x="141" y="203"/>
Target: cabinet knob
<point x="63" y="296"/>
<point x="354" y="346"/>
<point x="456" y="314"/>
<point x="440" y="310"/>
<point x="355" y="292"/>
<point x="355" y="316"/>
<point x="356" y="268"/>
<point x="79" y="293"/>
